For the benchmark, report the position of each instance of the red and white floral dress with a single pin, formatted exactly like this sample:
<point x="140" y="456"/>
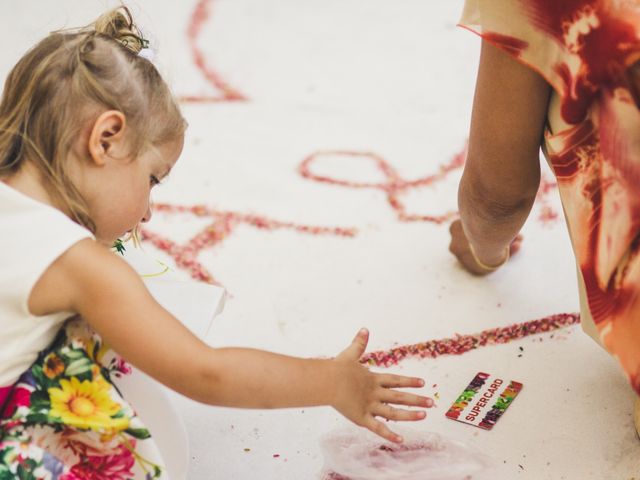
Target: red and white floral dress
<point x="584" y="49"/>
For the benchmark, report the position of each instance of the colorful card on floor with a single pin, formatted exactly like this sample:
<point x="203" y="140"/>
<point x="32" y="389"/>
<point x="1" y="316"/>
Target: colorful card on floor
<point x="484" y="400"/>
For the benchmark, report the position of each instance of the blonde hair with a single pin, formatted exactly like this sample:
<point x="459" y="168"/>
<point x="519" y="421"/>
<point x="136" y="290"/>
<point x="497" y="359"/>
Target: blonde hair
<point x="69" y="78"/>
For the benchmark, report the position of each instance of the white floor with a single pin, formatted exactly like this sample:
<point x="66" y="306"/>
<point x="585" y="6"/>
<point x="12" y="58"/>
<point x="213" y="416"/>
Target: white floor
<point x="394" y="79"/>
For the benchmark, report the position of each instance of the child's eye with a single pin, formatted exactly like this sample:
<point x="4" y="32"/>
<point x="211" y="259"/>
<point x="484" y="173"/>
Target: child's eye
<point x="154" y="180"/>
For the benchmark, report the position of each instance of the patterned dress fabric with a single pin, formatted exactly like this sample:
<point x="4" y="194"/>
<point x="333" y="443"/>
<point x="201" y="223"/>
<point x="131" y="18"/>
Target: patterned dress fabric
<point x="65" y="419"/>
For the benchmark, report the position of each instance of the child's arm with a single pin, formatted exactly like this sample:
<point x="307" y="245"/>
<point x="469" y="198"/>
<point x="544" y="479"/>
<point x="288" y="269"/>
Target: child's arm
<point x="111" y="297"/>
<point x="502" y="172"/>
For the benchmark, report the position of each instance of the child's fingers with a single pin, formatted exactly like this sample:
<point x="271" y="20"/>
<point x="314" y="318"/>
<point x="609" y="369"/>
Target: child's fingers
<point x="358" y="345"/>
<point x="388" y="380"/>
<point x="403" y="398"/>
<point x="381" y="429"/>
<point x="398" y="414"/>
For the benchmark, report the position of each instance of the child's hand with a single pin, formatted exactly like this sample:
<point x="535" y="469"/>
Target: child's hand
<point x="361" y="395"/>
<point x="459" y="246"/>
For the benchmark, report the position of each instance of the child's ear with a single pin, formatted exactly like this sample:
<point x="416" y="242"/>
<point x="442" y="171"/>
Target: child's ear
<point x="107" y="137"/>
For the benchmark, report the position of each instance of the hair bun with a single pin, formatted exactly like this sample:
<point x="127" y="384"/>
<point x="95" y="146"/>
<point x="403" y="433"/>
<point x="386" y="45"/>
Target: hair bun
<point x="118" y="24"/>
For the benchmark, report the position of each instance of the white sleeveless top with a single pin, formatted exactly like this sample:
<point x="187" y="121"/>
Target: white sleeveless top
<point x="32" y="236"/>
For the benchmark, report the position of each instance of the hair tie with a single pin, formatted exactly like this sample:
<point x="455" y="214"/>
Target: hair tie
<point x="133" y="42"/>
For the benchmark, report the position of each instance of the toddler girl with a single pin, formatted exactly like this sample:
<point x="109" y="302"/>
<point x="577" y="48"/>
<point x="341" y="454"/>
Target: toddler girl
<point x="87" y="128"/>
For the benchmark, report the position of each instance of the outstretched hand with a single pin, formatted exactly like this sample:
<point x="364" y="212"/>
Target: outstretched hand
<point x="461" y="249"/>
<point x="362" y="395"/>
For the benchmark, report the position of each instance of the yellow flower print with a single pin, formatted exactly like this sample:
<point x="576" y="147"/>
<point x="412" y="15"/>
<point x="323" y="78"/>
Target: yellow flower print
<point x="53" y="365"/>
<point x="87" y="405"/>
<point x="97" y="376"/>
<point x="97" y="350"/>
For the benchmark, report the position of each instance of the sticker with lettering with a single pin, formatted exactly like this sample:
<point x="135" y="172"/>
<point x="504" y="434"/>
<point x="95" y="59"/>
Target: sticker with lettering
<point x="484" y="401"/>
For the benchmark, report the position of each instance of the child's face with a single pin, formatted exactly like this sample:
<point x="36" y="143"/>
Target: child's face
<point x="121" y="196"/>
